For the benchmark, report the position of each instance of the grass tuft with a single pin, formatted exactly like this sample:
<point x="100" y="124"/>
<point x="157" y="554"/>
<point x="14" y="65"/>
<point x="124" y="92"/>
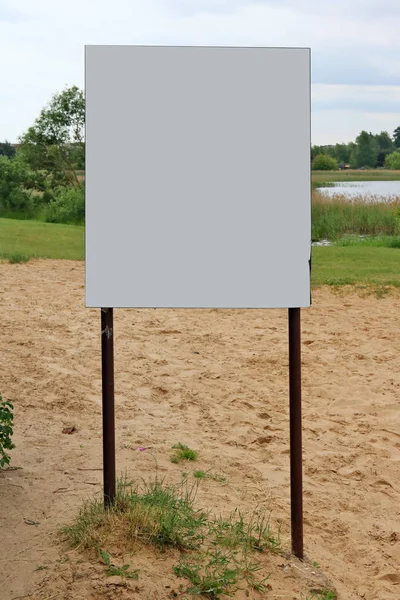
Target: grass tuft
<point x="153" y="513"/>
<point x="15" y="257"/>
<point x="255" y="534"/>
<point x="324" y="594"/>
<point x="183" y="452"/>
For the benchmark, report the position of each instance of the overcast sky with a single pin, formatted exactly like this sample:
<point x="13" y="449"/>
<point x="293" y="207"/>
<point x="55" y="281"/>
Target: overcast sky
<point x="355" y="49"/>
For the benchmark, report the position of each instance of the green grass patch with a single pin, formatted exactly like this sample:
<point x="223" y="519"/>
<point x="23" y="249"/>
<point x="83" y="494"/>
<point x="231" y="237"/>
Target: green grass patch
<point x="217" y="555"/>
<point x="355" y="175"/>
<point x="355" y="264"/>
<point x="153" y="513"/>
<point x="381" y="241"/>
<point x="34" y="239"/>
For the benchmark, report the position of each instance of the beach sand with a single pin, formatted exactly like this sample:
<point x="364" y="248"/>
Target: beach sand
<point x="216" y="380"/>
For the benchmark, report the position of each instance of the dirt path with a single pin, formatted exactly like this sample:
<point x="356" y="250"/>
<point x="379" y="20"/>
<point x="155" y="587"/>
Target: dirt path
<point x="216" y="380"/>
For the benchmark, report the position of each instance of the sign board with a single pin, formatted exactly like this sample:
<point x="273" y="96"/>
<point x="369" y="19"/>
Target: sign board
<point x="198" y="191"/>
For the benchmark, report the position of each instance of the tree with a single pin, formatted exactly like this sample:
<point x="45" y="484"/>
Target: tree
<point x="342" y="152"/>
<point x="7" y="149"/>
<point x="396" y="137"/>
<point x="381" y="157"/>
<point x="17" y="181"/>
<point x="365" y="152"/>
<point x="324" y="162"/>
<point x="56" y="139"/>
<point x="393" y="160"/>
<point x="384" y="141"/>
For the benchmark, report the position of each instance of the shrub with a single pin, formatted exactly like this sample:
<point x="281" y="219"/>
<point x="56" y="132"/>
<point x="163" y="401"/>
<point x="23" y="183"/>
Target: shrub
<point x="392" y="161"/>
<point x="67" y="207"/>
<point x="324" y="162"/>
<point x="16" y="182"/>
<point x="6" y="431"/>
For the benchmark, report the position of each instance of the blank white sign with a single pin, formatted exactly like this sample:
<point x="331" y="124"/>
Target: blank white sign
<point x="198" y="190"/>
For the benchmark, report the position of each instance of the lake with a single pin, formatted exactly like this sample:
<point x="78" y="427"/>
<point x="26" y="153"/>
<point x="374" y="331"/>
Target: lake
<point x="380" y="190"/>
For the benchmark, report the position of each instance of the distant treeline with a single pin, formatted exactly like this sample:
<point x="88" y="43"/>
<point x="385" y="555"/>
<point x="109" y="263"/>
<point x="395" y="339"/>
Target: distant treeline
<point x="367" y="151"/>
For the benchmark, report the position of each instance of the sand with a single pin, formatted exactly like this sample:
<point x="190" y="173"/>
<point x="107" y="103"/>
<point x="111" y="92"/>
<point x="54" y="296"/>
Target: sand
<point x="216" y="380"/>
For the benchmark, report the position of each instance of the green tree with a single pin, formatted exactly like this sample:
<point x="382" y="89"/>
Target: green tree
<point x="324" y="162"/>
<point x="385" y="146"/>
<point x="55" y="142"/>
<point x="342" y="153"/>
<point x="396" y="137"/>
<point x="366" y="151"/>
<point x="7" y="149"/>
<point x="393" y="160"/>
<point x="17" y="181"/>
<point x="329" y="150"/>
<point x="384" y="141"/>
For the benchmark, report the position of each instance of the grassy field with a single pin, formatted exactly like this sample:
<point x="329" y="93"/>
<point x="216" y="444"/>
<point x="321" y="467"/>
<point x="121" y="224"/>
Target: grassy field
<point x="370" y="262"/>
<point x="358" y="264"/>
<point x="35" y="239"/>
<point x="355" y="175"/>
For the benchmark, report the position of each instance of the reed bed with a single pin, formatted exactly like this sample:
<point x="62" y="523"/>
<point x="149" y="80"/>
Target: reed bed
<point x="337" y="216"/>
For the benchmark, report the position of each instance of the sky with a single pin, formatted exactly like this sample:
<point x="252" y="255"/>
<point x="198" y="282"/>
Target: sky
<point x="355" y="49"/>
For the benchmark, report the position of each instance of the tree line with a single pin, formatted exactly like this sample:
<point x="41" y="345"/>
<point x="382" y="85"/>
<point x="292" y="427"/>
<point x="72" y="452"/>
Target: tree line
<point x="369" y="150"/>
<point x="39" y="178"/>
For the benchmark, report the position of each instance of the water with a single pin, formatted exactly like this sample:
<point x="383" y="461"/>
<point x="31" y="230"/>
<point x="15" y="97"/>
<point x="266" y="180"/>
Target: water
<point x="380" y="190"/>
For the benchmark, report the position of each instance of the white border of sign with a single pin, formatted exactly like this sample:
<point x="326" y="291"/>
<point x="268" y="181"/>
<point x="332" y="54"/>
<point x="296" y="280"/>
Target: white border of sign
<point x="198" y="182"/>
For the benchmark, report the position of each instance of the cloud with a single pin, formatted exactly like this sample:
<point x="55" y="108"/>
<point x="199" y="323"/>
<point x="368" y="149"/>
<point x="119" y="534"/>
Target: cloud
<point x="8" y="14"/>
<point x="352" y="42"/>
<point x="343" y="126"/>
<point x="367" y="98"/>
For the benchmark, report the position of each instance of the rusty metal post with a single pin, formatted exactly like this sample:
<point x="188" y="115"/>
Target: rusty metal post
<point x="296" y="462"/>
<point x="107" y="376"/>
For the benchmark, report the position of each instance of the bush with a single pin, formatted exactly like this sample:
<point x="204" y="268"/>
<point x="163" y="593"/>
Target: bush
<point x="6" y="431"/>
<point x="15" y="180"/>
<point x="67" y="207"/>
<point x="323" y="162"/>
<point x="392" y="161"/>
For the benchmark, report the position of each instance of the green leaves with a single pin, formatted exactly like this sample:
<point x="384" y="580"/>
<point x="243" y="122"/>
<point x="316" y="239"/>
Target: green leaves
<point x="6" y="431"/>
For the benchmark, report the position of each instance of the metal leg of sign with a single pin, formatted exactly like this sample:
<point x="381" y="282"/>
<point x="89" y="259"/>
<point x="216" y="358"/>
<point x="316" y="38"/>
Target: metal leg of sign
<point x="107" y="375"/>
<point x="296" y="466"/>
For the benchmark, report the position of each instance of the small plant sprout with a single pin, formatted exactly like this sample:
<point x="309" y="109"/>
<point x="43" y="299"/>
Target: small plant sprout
<point x="112" y="569"/>
<point x="324" y="594"/>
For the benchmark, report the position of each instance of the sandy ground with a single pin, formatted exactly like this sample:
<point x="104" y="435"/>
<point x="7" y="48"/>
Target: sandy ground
<point x="216" y="380"/>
